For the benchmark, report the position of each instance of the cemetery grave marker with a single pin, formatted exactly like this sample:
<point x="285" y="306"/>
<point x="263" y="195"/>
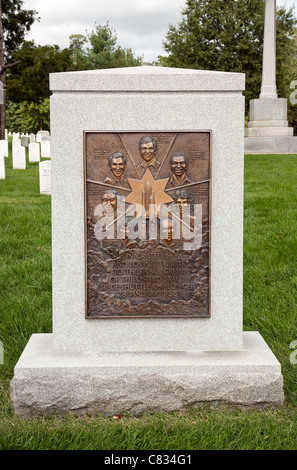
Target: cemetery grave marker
<point x="2" y="166"/>
<point x="34" y="152"/>
<point x="19" y="157"/>
<point x="145" y="140"/>
<point x="45" y="177"/>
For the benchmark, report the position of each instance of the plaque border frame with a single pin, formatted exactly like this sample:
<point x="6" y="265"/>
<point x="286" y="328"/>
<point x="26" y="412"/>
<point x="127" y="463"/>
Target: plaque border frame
<point x="113" y="317"/>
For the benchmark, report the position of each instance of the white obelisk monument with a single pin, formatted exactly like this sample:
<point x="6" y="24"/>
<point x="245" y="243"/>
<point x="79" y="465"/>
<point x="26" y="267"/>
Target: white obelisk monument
<point x="268" y="130"/>
<point x="268" y="89"/>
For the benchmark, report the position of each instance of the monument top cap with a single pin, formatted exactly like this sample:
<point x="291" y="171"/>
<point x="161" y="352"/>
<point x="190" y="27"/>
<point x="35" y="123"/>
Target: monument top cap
<point x="147" y="78"/>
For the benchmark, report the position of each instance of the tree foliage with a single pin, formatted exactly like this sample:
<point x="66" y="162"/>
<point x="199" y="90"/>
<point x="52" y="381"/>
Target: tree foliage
<point x="102" y="51"/>
<point x="97" y="50"/>
<point x="77" y="50"/>
<point x="28" y="116"/>
<point x="16" y="22"/>
<point x="30" y="80"/>
<point x="227" y="35"/>
<point x="28" y="83"/>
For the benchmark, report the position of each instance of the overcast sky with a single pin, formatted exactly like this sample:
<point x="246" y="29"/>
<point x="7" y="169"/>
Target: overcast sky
<point x="140" y="24"/>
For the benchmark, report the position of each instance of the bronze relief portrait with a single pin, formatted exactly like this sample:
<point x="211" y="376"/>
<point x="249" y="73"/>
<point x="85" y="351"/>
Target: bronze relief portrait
<point x="147" y="224"/>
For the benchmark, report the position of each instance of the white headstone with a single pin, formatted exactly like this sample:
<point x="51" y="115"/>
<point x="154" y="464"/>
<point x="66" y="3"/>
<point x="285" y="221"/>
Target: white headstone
<point x="19" y="158"/>
<point x="45" y="149"/>
<point x="16" y="142"/>
<point x="6" y="134"/>
<point x="42" y="135"/>
<point x="32" y="138"/>
<point x="45" y="177"/>
<point x="34" y="152"/>
<point x="2" y="167"/>
<point x="24" y="141"/>
<point x="4" y="147"/>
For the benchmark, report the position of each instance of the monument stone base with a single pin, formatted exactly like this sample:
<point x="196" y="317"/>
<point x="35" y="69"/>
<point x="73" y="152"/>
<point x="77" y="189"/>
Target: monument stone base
<point x="137" y="382"/>
<point x="268" y="131"/>
<point x="270" y="145"/>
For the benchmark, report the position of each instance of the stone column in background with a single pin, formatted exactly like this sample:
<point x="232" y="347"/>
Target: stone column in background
<point x="268" y="88"/>
<point x="268" y="130"/>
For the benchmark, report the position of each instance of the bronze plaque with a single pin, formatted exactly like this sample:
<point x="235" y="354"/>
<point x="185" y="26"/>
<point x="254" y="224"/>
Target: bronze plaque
<point x="147" y="219"/>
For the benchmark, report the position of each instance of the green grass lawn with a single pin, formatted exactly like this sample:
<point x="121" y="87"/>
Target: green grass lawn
<point x="270" y="307"/>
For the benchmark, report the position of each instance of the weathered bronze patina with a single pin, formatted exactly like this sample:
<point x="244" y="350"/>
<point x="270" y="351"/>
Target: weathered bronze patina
<point x="147" y="216"/>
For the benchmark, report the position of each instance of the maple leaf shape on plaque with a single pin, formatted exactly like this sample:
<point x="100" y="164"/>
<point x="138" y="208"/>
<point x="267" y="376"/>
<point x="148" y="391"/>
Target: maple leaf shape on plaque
<point x="148" y="191"/>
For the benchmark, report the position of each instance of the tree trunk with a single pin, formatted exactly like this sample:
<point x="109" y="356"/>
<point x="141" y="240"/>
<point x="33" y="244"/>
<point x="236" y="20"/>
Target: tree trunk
<point x="2" y="115"/>
<point x="2" y="78"/>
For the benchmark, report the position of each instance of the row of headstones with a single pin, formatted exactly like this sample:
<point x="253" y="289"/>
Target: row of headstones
<point x="41" y="135"/>
<point x="44" y="174"/>
<point x="19" y="157"/>
<point x="35" y="150"/>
